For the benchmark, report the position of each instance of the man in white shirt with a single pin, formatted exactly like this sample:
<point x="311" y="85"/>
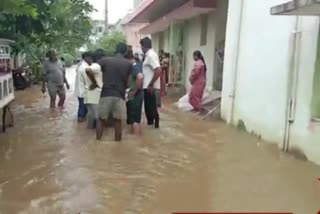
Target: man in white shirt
<point x="93" y="90"/>
<point x="80" y="85"/>
<point x="151" y="84"/>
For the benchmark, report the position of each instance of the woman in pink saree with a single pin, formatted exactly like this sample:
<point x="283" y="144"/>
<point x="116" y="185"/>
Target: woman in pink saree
<point x="198" y="81"/>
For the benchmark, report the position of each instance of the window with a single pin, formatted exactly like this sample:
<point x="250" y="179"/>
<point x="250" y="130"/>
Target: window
<point x="5" y="88"/>
<point x="0" y="91"/>
<point x="204" y="30"/>
<point x="100" y="30"/>
<point x="10" y="86"/>
<point x="315" y="104"/>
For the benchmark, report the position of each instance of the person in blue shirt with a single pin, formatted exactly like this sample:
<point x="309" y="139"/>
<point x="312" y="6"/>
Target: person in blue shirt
<point x="135" y="95"/>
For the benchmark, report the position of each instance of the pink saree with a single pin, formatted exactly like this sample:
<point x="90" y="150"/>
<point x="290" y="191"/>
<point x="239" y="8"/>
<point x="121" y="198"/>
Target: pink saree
<point x="198" y="82"/>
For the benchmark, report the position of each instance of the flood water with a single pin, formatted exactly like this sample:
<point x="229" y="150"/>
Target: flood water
<point x="51" y="164"/>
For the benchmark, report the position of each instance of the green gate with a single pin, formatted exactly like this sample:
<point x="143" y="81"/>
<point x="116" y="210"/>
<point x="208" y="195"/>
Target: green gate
<point x="176" y="74"/>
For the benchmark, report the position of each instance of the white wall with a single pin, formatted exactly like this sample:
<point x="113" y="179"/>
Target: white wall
<point x="155" y="42"/>
<point x="216" y="33"/>
<point x="231" y="58"/>
<point x="261" y="66"/>
<point x="133" y="36"/>
<point x="192" y="43"/>
<point x="305" y="135"/>
<point x="166" y="42"/>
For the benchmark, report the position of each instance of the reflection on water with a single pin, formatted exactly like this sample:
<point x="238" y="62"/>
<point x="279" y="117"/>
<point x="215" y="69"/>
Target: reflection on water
<point x="51" y="164"/>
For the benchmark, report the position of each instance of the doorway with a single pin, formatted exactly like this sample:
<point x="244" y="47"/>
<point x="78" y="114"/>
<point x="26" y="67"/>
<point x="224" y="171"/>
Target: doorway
<point x="220" y="26"/>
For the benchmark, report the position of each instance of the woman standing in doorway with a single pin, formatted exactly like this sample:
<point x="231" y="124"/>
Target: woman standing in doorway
<point x="198" y="81"/>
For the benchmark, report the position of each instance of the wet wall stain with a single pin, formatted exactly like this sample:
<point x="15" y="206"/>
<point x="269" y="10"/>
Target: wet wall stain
<point x="298" y="153"/>
<point x="241" y="126"/>
<point x="256" y="135"/>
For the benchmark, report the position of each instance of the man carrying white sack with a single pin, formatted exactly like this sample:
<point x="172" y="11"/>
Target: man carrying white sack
<point x="93" y="90"/>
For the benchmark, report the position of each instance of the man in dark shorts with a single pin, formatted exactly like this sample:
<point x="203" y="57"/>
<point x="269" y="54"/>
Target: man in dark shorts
<point x="115" y="72"/>
<point x="135" y="96"/>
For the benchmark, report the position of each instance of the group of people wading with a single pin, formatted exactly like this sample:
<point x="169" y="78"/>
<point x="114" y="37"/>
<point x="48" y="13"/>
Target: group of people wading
<point x="114" y="88"/>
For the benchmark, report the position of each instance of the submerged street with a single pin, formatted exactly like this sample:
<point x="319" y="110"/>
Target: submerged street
<point x="51" y="164"/>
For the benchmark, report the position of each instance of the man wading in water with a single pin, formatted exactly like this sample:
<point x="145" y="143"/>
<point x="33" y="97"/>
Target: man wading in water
<point x="115" y="72"/>
<point x="54" y="78"/>
<point x="151" y="84"/>
<point x="135" y="97"/>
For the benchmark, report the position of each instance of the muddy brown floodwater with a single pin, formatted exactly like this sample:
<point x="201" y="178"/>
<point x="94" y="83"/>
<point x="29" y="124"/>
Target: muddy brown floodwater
<point x="51" y="164"/>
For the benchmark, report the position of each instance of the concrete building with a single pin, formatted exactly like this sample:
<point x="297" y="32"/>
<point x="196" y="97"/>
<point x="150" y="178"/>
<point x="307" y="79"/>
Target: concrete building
<point x="271" y="75"/>
<point x="181" y="27"/>
<point x="118" y="26"/>
<point x="106" y="16"/>
<point x="98" y="30"/>
<point x="132" y="30"/>
<point x="136" y="3"/>
<point x="111" y="28"/>
<point x="269" y="72"/>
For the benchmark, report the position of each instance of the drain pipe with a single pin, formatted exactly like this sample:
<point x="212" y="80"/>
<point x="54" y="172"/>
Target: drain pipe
<point x="235" y="73"/>
<point x="292" y="85"/>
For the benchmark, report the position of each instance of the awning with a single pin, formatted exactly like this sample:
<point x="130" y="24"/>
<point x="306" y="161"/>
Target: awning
<point x="5" y="41"/>
<point x="150" y="10"/>
<point x="298" y="7"/>
<point x="190" y="9"/>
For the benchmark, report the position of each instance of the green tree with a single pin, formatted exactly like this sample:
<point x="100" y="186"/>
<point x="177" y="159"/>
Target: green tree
<point x="18" y="7"/>
<point x="40" y="24"/>
<point x="108" y="42"/>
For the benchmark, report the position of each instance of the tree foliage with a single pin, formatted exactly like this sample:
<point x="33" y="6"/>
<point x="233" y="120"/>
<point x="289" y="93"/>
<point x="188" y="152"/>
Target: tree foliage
<point x="108" y="42"/>
<point x="38" y="25"/>
<point x="18" y="7"/>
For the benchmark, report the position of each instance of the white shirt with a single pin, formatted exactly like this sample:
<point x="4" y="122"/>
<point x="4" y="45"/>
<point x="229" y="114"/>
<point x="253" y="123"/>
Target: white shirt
<point x="93" y="96"/>
<point x="79" y="89"/>
<point x="151" y="62"/>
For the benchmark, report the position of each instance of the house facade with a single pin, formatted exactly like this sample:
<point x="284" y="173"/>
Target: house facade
<point x="132" y="33"/>
<point x="270" y="71"/>
<point x="132" y="30"/>
<point x="136" y="3"/>
<point x="97" y="30"/>
<point x="180" y="27"/>
<point x="133" y="36"/>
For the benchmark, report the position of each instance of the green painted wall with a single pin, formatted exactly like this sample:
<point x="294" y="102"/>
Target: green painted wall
<point x="315" y="106"/>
